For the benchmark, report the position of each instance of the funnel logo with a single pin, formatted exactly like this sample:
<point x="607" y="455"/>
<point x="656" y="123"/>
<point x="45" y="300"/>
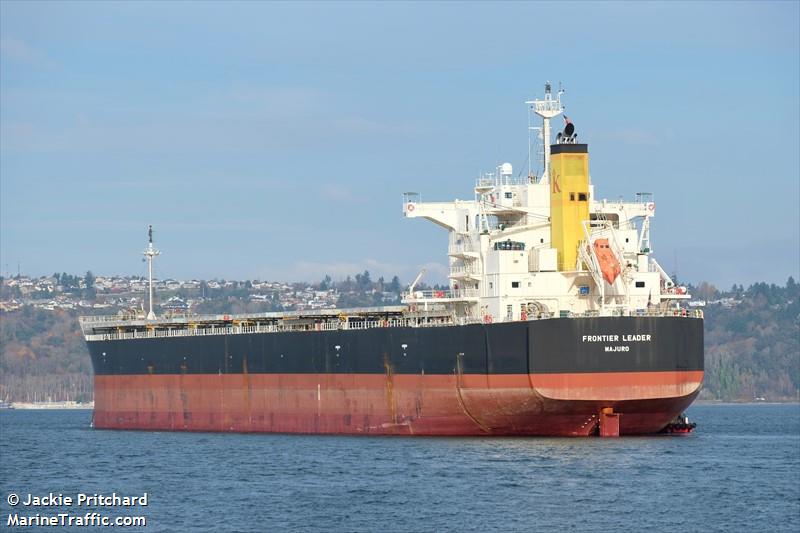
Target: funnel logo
<point x="556" y="188"/>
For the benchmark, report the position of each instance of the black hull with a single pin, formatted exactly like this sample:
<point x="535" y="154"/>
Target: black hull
<point x="554" y="346"/>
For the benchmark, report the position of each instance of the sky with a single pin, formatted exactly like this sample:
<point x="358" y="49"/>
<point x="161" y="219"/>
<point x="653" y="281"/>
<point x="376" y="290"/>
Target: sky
<point x="274" y="140"/>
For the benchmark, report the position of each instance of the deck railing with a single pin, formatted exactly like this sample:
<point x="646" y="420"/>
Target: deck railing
<point x="333" y="325"/>
<point x="472" y="270"/>
<point x="434" y="294"/>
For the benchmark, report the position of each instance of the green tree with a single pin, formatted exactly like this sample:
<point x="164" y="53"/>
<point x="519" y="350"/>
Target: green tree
<point x="89" y="291"/>
<point x="363" y="282"/>
<point x="707" y="291"/>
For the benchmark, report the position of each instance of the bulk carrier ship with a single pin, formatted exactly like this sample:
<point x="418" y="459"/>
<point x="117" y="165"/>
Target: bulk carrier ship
<point x="557" y="322"/>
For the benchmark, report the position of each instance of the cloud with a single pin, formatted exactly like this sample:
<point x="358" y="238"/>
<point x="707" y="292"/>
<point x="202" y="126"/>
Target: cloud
<point x="215" y="119"/>
<point x="339" y="270"/>
<point x="285" y="101"/>
<point x="19" y="51"/>
<point x="335" y="192"/>
<point x="435" y="272"/>
<point x="21" y="133"/>
<point x="224" y="131"/>
<point x="627" y="136"/>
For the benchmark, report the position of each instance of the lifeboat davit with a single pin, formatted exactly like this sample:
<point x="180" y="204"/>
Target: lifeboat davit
<point x="609" y="265"/>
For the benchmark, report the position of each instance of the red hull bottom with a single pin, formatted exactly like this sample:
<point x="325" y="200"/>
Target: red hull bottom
<point x="387" y="404"/>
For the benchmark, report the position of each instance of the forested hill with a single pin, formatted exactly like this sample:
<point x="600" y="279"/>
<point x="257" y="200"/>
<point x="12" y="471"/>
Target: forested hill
<point x="752" y="338"/>
<point x="752" y="341"/>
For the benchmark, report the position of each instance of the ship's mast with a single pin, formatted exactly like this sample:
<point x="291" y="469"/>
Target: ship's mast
<point x="547" y="109"/>
<point x="150" y="253"/>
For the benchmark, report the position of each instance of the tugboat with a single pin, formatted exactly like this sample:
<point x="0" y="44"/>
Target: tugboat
<point x="557" y="321"/>
<point x="680" y="426"/>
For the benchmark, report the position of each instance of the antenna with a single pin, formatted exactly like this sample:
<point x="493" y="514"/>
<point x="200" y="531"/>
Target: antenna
<point x="150" y="253"/>
<point x="547" y="108"/>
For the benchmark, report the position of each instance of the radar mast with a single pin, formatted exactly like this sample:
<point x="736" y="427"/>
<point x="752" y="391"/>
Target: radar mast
<point x="150" y="253"/>
<point x="547" y="108"/>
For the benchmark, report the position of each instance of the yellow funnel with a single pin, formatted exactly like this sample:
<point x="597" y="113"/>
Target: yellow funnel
<point x="569" y="200"/>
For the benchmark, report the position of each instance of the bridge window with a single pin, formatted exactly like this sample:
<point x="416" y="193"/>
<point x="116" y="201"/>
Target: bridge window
<point x="613" y="217"/>
<point x="509" y="245"/>
<point x="515" y="284"/>
<point x="639" y="284"/>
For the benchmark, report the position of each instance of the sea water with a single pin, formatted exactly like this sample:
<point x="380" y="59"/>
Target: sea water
<point x="739" y="471"/>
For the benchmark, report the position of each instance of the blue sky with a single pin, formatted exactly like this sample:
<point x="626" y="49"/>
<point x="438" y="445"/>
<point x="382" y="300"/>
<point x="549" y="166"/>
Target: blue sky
<point x="274" y="140"/>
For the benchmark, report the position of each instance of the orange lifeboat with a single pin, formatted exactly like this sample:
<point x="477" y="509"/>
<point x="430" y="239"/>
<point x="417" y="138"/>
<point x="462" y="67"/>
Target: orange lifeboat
<point x="609" y="265"/>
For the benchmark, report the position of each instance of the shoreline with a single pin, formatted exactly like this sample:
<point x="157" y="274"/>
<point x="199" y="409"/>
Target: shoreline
<point x="28" y="406"/>
<point x="50" y="405"/>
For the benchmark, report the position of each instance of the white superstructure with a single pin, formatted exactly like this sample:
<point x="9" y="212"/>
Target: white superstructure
<point x="503" y="262"/>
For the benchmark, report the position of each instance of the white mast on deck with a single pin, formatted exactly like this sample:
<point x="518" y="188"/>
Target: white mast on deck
<point x="150" y="253"/>
<point x="547" y="109"/>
